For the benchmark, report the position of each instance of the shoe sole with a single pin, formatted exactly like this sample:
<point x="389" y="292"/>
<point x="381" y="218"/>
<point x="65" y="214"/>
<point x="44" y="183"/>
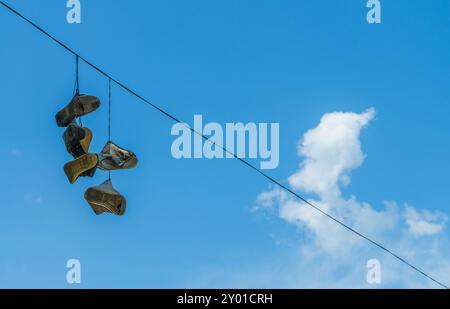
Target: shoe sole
<point x="78" y="166"/>
<point x="99" y="202"/>
<point x="79" y="106"/>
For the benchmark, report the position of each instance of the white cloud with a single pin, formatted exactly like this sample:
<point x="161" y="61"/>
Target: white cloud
<point x="269" y="198"/>
<point x="330" y="152"/>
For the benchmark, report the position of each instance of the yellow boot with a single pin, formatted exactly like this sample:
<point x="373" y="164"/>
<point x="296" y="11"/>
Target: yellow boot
<point x="75" y="168"/>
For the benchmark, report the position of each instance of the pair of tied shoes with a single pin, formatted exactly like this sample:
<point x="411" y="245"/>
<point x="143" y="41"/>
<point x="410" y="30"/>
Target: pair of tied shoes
<point x="111" y="158"/>
<point x="105" y="198"/>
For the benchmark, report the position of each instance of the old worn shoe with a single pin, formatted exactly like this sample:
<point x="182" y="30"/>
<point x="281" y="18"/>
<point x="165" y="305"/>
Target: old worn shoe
<point x="79" y="106"/>
<point x="77" y="139"/>
<point x="77" y="167"/>
<point x="113" y="157"/>
<point x="104" y="198"/>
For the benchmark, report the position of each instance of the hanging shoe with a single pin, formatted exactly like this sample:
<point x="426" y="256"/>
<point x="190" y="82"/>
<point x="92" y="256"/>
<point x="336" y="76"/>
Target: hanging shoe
<point x="104" y="198"/>
<point x="77" y="167"/>
<point x="79" y="106"/>
<point x="77" y="139"/>
<point x="113" y="157"/>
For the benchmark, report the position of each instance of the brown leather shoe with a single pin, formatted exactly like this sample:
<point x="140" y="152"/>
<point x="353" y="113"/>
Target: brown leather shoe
<point x="79" y="106"/>
<point x="104" y="198"/>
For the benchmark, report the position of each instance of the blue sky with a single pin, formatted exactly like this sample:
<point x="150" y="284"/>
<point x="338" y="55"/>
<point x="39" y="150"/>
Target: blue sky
<point x="193" y="223"/>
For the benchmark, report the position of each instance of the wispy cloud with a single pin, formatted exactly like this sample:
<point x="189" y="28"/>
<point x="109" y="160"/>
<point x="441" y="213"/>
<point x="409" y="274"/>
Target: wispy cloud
<point x="424" y="223"/>
<point x="33" y="199"/>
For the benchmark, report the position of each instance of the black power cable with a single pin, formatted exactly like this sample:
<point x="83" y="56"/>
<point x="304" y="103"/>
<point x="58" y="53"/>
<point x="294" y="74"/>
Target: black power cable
<point x="169" y="115"/>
